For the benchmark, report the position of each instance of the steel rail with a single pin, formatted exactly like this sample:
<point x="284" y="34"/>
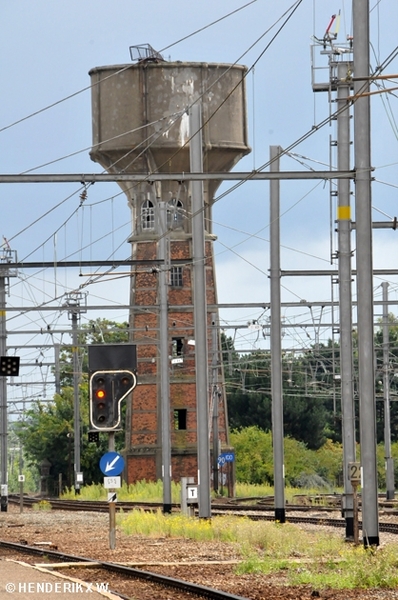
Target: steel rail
<point x="320" y="521"/>
<point x="163" y="580"/>
<point x="86" y="505"/>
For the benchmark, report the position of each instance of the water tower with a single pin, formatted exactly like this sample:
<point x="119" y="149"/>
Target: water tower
<point x="141" y="125"/>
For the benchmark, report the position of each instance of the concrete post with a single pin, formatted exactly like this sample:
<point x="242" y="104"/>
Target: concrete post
<point x="200" y="314"/>
<point x="185" y="508"/>
<point x="164" y="358"/>
<point x="363" y="217"/>
<point x="345" y="292"/>
<point x="276" y="341"/>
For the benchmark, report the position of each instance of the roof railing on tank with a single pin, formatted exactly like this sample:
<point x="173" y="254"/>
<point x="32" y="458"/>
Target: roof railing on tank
<point x="145" y="52"/>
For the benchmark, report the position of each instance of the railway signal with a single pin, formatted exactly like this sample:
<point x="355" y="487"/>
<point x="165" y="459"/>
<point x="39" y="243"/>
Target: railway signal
<point x="107" y="390"/>
<point x="9" y="365"/>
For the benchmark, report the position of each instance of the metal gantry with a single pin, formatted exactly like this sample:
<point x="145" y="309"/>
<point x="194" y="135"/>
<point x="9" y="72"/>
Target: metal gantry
<point x="75" y="305"/>
<point x="344" y="222"/>
<point x="6" y="272"/>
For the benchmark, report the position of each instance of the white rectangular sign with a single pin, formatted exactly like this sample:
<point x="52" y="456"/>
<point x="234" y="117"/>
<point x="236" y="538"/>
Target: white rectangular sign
<point x="354" y="472"/>
<point x="192" y="494"/>
<point x="177" y="361"/>
<point x="112" y="482"/>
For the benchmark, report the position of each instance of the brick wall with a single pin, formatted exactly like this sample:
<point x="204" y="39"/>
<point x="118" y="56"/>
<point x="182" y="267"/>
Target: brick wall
<point x="144" y="454"/>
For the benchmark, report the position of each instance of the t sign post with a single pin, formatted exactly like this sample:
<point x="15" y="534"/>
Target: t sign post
<point x="111" y="465"/>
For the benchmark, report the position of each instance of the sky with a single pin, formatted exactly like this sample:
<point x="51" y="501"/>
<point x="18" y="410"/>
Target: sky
<point x="47" y="49"/>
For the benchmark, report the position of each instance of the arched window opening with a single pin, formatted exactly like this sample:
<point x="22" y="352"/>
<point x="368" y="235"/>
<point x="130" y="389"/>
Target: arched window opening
<point x="175" y="216"/>
<point x="147" y="215"/>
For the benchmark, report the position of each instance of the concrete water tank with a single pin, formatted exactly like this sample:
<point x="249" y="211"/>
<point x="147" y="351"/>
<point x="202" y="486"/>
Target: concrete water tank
<point x="140" y="119"/>
<point x="141" y="125"/>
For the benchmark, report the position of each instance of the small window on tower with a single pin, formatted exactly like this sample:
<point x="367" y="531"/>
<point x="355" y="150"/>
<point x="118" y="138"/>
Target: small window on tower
<point x="176" y="277"/>
<point x="177" y="347"/>
<point x="180" y="419"/>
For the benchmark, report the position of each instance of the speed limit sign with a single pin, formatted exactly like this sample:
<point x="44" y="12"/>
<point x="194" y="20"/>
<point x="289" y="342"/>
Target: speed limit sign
<point x="226" y="457"/>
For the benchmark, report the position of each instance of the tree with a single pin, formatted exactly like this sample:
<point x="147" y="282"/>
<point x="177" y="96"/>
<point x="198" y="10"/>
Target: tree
<point x="248" y="389"/>
<point x="97" y="331"/>
<point x="18" y="466"/>
<point x="47" y="433"/>
<point x="392" y="378"/>
<point x="305" y="420"/>
<point x="254" y="459"/>
<point x="47" y="430"/>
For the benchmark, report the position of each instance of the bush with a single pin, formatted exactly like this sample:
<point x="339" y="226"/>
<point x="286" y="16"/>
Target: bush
<point x="254" y="457"/>
<point x="310" y="482"/>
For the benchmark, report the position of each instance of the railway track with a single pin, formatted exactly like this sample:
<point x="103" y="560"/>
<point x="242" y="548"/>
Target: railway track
<point x="86" y="505"/>
<point x="157" y="580"/>
<point x="102" y="506"/>
<point x="56" y="535"/>
<point x="252" y="511"/>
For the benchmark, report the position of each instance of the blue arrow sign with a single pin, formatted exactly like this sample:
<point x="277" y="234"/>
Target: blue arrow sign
<point x="111" y="464"/>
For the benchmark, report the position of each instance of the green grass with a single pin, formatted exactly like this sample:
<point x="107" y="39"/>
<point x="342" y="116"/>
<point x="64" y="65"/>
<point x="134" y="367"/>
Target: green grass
<point x="357" y="568"/>
<point x="249" y="490"/>
<point x="146" y="491"/>
<point x="42" y="505"/>
<point x="322" y="560"/>
<point x="157" y="525"/>
<point x="219" y="528"/>
<point x="142" y="491"/>
<point x="317" y="558"/>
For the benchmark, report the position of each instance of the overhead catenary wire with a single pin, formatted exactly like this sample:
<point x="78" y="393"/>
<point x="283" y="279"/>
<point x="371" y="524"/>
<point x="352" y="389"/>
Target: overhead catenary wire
<point x="72" y="95"/>
<point x="79" y="191"/>
<point x="294" y="6"/>
<point x="89" y="87"/>
<point x="93" y="146"/>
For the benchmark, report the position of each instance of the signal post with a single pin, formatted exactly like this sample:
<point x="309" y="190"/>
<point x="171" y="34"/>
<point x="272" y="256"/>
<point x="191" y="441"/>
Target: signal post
<point x="111" y="379"/>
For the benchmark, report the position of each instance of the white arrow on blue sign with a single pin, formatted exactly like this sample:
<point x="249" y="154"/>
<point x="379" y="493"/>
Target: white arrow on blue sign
<point x="111" y="463"/>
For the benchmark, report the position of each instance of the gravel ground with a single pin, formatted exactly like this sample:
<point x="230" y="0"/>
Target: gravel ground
<point x="209" y="563"/>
